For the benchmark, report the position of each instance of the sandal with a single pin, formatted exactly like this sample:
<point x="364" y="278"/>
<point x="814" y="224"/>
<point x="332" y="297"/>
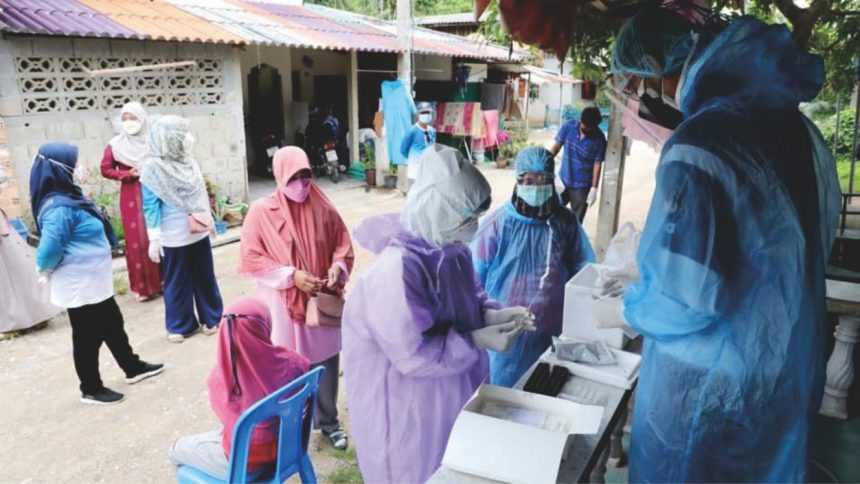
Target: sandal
<point x="338" y="439"/>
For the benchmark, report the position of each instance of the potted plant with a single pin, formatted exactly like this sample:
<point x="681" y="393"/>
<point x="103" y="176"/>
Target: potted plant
<point x="507" y="152"/>
<point x="391" y="177"/>
<point x="368" y="159"/>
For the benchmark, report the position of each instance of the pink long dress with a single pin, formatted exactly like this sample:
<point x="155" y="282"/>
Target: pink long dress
<point x="144" y="276"/>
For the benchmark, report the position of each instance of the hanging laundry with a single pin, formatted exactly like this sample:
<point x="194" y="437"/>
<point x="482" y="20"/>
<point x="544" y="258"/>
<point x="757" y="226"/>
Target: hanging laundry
<point x="398" y="109"/>
<point x="460" y="119"/>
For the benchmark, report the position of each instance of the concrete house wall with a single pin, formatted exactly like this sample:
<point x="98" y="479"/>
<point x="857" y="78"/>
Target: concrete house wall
<point x="46" y="96"/>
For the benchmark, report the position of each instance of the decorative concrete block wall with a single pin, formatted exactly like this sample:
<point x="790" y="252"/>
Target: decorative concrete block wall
<point x="47" y="95"/>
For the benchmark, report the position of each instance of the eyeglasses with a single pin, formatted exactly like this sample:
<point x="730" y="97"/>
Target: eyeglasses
<point x="534" y="179"/>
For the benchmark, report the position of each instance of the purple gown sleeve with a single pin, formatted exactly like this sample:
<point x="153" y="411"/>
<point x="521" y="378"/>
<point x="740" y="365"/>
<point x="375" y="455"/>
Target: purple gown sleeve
<point x="396" y="324"/>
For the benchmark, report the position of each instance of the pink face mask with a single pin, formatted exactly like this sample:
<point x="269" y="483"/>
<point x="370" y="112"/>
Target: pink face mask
<point x="297" y="190"/>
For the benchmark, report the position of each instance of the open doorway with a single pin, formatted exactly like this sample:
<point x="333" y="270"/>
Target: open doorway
<point x="265" y="116"/>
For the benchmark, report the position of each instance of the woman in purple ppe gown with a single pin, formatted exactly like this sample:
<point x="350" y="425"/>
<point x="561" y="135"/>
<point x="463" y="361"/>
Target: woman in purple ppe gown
<point x="413" y="326"/>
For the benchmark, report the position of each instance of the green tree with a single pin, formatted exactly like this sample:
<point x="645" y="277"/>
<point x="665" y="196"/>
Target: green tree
<point x="830" y="28"/>
<point x="386" y="8"/>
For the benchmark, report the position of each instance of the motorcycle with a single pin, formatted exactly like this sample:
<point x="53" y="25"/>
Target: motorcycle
<point x="320" y="143"/>
<point x="270" y="144"/>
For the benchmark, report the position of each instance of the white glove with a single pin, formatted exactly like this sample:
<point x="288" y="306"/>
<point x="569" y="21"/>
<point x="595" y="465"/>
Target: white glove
<point x="611" y="284"/>
<point x="592" y="196"/>
<point x="45" y="277"/>
<point x="499" y="337"/>
<point x="517" y="314"/>
<point x="156" y="251"/>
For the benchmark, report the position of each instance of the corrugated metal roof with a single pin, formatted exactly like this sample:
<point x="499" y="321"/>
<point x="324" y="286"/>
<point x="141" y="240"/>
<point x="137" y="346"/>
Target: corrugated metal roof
<point x="447" y="19"/>
<point x="241" y="20"/>
<point x="328" y="32"/>
<point x="159" y="20"/>
<point x="427" y="41"/>
<point x="232" y="21"/>
<point x="542" y="76"/>
<point x="59" y="17"/>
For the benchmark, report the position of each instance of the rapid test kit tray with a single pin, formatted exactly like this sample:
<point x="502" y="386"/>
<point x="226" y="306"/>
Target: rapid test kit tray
<point x="621" y="374"/>
<point x="512" y="436"/>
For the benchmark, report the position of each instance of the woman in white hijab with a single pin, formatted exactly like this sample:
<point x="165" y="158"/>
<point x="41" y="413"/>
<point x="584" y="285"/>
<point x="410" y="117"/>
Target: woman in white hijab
<point x="122" y="159"/>
<point x="24" y="302"/>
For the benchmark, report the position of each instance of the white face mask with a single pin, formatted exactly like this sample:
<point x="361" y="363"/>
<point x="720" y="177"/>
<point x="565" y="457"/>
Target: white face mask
<point x="131" y="126"/>
<point x="463" y="234"/>
<point x="188" y="143"/>
<point x="425" y="118"/>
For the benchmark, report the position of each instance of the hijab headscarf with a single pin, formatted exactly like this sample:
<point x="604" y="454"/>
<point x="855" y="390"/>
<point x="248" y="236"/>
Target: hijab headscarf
<point x="249" y="367"/>
<point x="322" y="236"/>
<point x="129" y="149"/>
<point x="52" y="183"/>
<point x="170" y="171"/>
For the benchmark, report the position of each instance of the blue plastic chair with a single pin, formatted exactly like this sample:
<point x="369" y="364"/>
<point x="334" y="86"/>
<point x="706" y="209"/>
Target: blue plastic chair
<point x="294" y="406"/>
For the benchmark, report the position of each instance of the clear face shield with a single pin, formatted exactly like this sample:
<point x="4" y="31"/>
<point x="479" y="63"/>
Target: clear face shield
<point x="655" y="104"/>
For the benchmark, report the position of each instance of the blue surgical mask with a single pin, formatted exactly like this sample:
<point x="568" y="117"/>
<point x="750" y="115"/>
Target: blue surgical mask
<point x="535" y="195"/>
<point x="425" y="118"/>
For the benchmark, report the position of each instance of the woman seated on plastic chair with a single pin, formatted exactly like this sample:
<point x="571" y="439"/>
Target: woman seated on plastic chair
<point x="247" y="369"/>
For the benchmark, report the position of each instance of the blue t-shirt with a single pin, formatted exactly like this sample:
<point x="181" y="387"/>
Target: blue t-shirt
<point x="416" y="140"/>
<point x="580" y="154"/>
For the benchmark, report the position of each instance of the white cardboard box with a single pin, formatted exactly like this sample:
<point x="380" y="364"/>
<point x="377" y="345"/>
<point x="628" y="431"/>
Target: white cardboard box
<point x="522" y="447"/>
<point x="583" y="315"/>
<point x="622" y="374"/>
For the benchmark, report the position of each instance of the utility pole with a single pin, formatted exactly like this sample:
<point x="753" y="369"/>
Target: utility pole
<point x="404" y="37"/>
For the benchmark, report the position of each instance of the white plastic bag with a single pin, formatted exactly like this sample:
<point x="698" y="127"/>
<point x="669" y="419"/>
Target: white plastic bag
<point x="620" y="259"/>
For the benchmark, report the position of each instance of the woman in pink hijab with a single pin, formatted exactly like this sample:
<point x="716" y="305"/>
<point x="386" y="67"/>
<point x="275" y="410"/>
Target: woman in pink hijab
<point x="294" y="243"/>
<point x="248" y="368"/>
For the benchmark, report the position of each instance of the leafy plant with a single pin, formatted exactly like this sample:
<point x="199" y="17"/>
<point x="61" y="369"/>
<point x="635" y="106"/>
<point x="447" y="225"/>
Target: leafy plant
<point x="104" y="195"/>
<point x="827" y="125"/>
<point x="386" y="8"/>
<point x="367" y="155"/>
<point x="830" y="28"/>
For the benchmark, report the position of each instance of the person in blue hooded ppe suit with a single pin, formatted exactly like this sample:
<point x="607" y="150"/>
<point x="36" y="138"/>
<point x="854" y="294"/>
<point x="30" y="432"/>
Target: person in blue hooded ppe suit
<point x="524" y="253"/>
<point x="731" y="299"/>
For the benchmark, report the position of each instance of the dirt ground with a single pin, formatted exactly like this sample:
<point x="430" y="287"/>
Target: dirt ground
<point x="46" y="434"/>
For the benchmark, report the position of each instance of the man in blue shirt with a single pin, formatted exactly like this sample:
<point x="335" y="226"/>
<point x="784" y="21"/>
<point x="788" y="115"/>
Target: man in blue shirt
<point x="584" y="150"/>
<point x="417" y="139"/>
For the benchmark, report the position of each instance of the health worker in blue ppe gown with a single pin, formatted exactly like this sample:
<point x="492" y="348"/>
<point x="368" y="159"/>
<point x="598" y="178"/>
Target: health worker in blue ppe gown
<point x="524" y="253"/>
<point x="731" y="299"/>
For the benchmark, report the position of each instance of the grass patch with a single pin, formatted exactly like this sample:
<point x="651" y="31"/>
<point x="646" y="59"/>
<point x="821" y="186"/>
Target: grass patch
<point x="21" y="332"/>
<point x="120" y="285"/>
<point x="346" y="475"/>
<point x="347" y="471"/>
<point x="347" y="455"/>
<point x="843" y="168"/>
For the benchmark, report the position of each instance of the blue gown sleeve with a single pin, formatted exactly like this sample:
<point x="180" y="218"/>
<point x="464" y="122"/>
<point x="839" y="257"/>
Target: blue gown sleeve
<point x="485" y="246"/>
<point x="151" y="208"/>
<point x="56" y="223"/>
<point x="583" y="253"/>
<point x="683" y="256"/>
<point x="397" y="325"/>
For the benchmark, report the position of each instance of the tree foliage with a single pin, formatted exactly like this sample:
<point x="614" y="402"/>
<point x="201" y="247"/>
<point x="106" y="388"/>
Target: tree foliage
<point x="386" y="8"/>
<point x="830" y="28"/>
